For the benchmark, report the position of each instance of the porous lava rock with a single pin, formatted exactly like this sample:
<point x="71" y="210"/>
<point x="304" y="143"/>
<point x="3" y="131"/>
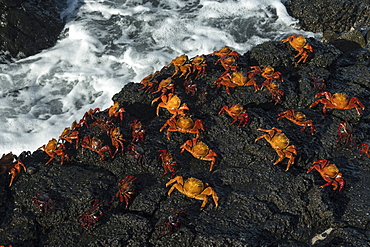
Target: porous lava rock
<point x="260" y="204"/>
<point x="328" y="15"/>
<point x="27" y="27"/>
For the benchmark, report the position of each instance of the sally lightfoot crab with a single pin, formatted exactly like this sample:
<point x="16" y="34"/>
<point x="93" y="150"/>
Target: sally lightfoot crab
<point x="330" y="173"/>
<point x="338" y="101"/>
<point x="280" y="142"/>
<point x="126" y="189"/>
<point x="193" y="188"/>
<point x="44" y="202"/>
<point x="96" y="145"/>
<point x="54" y="148"/>
<point x="93" y="215"/>
<point x="172" y="103"/>
<point x="364" y="148"/>
<point x="168" y="162"/>
<point x="183" y="124"/>
<point x="298" y="118"/>
<point x="299" y="43"/>
<point x="200" y="150"/>
<point x="10" y="163"/>
<point x="237" y="112"/>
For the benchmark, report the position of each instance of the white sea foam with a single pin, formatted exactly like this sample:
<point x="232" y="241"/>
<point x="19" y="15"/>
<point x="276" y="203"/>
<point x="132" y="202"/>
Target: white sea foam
<point x="111" y="43"/>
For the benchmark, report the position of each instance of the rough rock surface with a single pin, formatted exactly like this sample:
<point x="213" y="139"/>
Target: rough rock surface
<point x="260" y="204"/>
<point x="328" y="15"/>
<point x="27" y="27"/>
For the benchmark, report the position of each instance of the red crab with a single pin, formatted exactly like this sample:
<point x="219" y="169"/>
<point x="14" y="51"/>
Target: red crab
<point x="44" y="202"/>
<point x="299" y="43"/>
<point x="228" y="62"/>
<point x="190" y="87"/>
<point x="137" y="131"/>
<point x="172" y="222"/>
<point x="137" y="152"/>
<point x="298" y="118"/>
<point x="237" y="112"/>
<point x="54" y="148"/>
<point x="183" y="124"/>
<point x="126" y="189"/>
<point x="96" y="145"/>
<point x="116" y="111"/>
<point x="93" y="215"/>
<point x="345" y="132"/>
<point x="330" y="173"/>
<point x="319" y="84"/>
<point x="168" y="163"/>
<point x="10" y="163"/>
<point x="364" y="148"/>
<point x="89" y="113"/>
<point x="117" y="139"/>
<point x="338" y="101"/>
<point x="200" y="150"/>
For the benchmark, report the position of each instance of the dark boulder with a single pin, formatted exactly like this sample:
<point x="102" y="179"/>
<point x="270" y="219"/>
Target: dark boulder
<point x="27" y="27"/>
<point x="260" y="204"/>
<point x="327" y="15"/>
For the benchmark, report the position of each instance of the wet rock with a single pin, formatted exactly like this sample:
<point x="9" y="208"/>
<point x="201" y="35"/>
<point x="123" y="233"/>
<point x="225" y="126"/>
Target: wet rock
<point x="260" y="204"/>
<point x="326" y="15"/>
<point x="27" y="27"/>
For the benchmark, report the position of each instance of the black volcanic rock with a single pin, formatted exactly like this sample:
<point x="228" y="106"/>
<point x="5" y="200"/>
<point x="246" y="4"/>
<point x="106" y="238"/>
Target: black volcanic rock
<point x="260" y="204"/>
<point x="27" y="27"/>
<point x="327" y="15"/>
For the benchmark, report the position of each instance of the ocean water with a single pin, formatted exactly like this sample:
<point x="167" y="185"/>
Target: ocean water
<point x="107" y="44"/>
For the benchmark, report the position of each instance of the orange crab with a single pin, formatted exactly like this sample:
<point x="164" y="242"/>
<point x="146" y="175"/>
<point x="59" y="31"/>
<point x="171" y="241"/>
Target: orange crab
<point x="280" y="142"/>
<point x="226" y="51"/>
<point x="117" y="139"/>
<point x="10" y="163"/>
<point x="199" y="150"/>
<point x="237" y="112"/>
<point x="199" y="64"/>
<point x="298" y="118"/>
<point x="96" y="145"/>
<point x="266" y="72"/>
<point x="364" y="148"/>
<point x="193" y="188"/>
<point x="148" y="82"/>
<point x="236" y="79"/>
<point x="173" y="104"/>
<point x="70" y="134"/>
<point x="168" y="163"/>
<point x="54" y="148"/>
<point x="116" y="111"/>
<point x="181" y="65"/>
<point x="338" y="101"/>
<point x="183" y="124"/>
<point x="330" y="173"/>
<point x="277" y="93"/>
<point x="164" y="86"/>
<point x="299" y="43"/>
